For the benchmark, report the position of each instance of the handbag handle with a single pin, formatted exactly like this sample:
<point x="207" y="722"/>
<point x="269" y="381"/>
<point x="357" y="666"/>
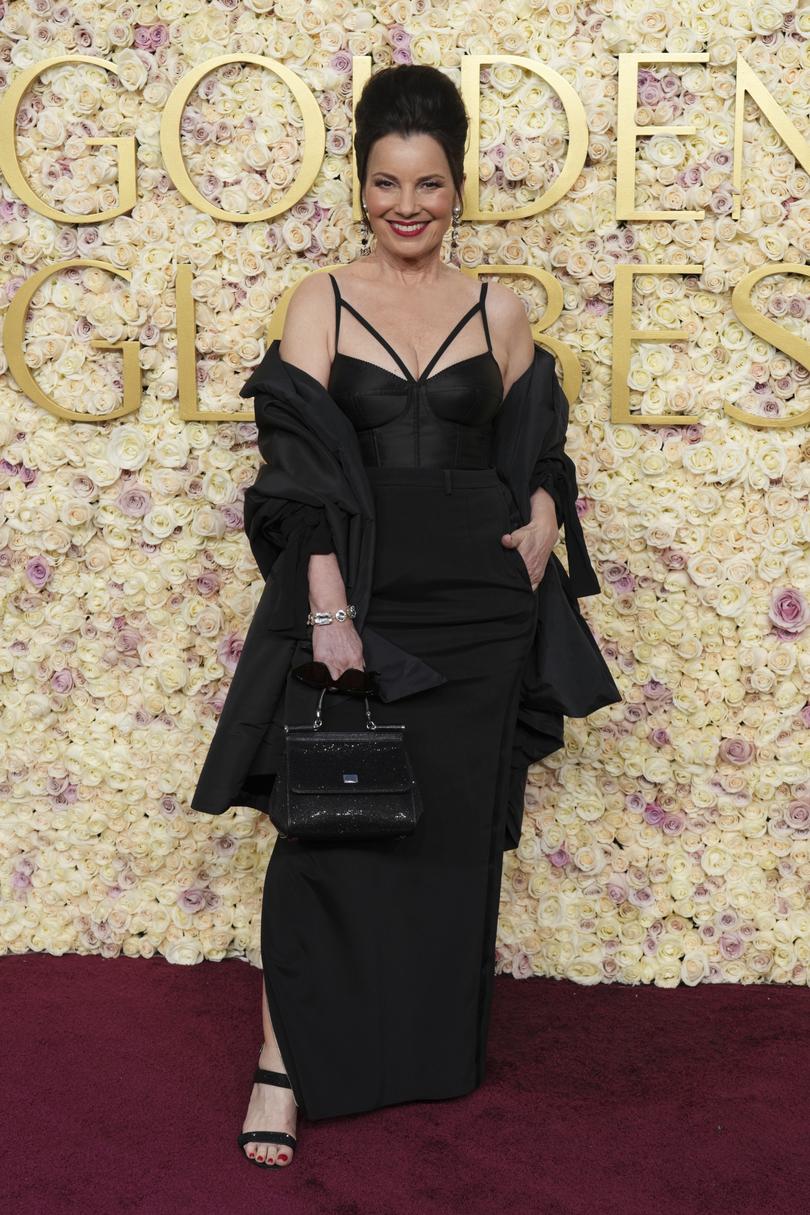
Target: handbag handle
<point x="318" y="722"/>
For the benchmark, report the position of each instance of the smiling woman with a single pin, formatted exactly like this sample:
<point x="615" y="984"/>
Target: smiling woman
<point x="413" y="201"/>
<point x="397" y="938"/>
<point x="404" y="471"/>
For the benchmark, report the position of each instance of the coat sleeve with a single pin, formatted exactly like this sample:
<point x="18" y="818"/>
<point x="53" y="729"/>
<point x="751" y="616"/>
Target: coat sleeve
<point x="285" y="520"/>
<point x="555" y="471"/>
<point x="282" y="536"/>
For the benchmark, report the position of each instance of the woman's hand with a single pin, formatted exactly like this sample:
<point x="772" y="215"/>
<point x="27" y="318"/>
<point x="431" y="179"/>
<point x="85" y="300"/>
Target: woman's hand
<point x="339" y="645"/>
<point x="535" y="540"/>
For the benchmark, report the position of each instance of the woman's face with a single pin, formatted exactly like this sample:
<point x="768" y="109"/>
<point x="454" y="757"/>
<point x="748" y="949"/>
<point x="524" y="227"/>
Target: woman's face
<point x="409" y="194"/>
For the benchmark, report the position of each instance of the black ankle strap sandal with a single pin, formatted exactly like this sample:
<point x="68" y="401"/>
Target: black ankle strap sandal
<point x="263" y="1076"/>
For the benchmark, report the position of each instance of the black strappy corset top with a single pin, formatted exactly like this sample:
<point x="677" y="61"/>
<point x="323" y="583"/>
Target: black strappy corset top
<point x="444" y="420"/>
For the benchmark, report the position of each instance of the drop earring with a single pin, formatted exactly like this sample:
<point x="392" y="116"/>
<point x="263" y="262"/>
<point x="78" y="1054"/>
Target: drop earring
<point x="454" y="236"/>
<point x="364" y="234"/>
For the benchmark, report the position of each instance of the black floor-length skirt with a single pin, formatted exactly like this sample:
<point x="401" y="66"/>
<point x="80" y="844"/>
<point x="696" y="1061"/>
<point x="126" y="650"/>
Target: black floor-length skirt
<point x="378" y="957"/>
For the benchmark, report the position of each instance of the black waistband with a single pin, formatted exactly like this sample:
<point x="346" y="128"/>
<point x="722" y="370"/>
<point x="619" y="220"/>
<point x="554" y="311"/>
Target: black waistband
<point x="446" y="477"/>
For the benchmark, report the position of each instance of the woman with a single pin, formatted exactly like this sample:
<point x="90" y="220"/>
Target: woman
<point x="378" y="959"/>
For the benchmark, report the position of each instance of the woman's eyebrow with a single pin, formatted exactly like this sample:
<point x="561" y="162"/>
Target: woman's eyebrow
<point x="422" y="176"/>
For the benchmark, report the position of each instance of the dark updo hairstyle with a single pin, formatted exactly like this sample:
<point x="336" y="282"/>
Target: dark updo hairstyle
<point x="412" y="99"/>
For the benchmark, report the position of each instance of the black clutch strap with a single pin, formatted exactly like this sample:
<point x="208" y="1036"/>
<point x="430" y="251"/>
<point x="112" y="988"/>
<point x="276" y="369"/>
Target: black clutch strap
<point x="318" y="720"/>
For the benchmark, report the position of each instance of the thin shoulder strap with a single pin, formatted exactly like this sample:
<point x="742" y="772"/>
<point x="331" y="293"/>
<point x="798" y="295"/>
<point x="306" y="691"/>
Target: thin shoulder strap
<point x="337" y="309"/>
<point x="378" y="336"/>
<point x="482" y="303"/>
<point x="455" y="330"/>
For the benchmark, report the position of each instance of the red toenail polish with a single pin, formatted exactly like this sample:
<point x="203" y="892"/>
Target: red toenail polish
<point x="282" y="1157"/>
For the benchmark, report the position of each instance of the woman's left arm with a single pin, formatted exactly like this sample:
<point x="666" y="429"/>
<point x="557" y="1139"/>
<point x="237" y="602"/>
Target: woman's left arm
<point x="536" y="538"/>
<point x="556" y="473"/>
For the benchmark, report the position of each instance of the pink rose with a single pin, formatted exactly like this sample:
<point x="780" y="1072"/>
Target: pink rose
<point x="616" y="888"/>
<point x="134" y="501"/>
<point x="737" y="751"/>
<point x="229" y="651"/>
<point x="191" y="900"/>
<point x="207" y="583"/>
<point x="789" y="612"/>
<point x="730" y="945"/>
<point x="62" y="680"/>
<point x="673" y="824"/>
<point x="38" y="571"/>
<point x="560" y="858"/>
<point x="655" y="690"/>
<point x="521" y="967"/>
<point x="797" y="814"/>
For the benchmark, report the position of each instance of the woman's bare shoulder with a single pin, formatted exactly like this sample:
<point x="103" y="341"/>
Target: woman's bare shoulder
<point x="309" y="326"/>
<point x="511" y="332"/>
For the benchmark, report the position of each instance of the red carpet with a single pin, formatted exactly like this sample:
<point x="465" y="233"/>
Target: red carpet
<point x="126" y="1082"/>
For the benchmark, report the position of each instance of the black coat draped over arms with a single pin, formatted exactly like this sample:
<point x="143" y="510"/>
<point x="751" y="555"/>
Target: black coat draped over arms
<point x="313" y="485"/>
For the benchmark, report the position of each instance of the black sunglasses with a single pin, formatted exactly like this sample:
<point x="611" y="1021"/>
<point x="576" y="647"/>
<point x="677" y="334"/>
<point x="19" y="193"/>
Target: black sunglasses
<point x="353" y="680"/>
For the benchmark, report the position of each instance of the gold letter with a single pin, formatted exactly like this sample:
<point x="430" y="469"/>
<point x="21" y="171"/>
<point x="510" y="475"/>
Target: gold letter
<point x="628" y="131"/>
<point x="624" y="334"/>
<point x="789" y="343"/>
<point x="10" y="168"/>
<point x="577" y="133"/>
<point x="13" y="333"/>
<point x="748" y="83"/>
<point x="187" y="359"/>
<point x="314" y="138"/>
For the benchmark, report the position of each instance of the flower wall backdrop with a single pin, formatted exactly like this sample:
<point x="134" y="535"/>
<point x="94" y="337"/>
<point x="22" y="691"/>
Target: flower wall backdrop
<point x="670" y="841"/>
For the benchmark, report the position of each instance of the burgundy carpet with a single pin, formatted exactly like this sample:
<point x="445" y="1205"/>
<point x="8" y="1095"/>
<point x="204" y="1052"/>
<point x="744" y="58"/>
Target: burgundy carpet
<point x="126" y="1082"/>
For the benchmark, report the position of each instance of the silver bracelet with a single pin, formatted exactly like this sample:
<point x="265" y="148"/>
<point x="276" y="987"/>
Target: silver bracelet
<point x="350" y="611"/>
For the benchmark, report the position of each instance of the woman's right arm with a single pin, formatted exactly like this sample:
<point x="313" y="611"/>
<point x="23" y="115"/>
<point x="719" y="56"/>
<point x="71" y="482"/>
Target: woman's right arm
<point x="307" y="342"/>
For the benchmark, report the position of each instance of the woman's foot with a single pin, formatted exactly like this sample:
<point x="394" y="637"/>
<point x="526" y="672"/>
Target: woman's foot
<point x="271" y="1108"/>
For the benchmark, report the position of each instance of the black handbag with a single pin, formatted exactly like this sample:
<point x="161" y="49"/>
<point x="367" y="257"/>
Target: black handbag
<point x="344" y="785"/>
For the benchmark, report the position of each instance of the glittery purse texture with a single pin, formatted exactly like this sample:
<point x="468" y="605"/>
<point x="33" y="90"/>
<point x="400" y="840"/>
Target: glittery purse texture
<point x="345" y="785"/>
